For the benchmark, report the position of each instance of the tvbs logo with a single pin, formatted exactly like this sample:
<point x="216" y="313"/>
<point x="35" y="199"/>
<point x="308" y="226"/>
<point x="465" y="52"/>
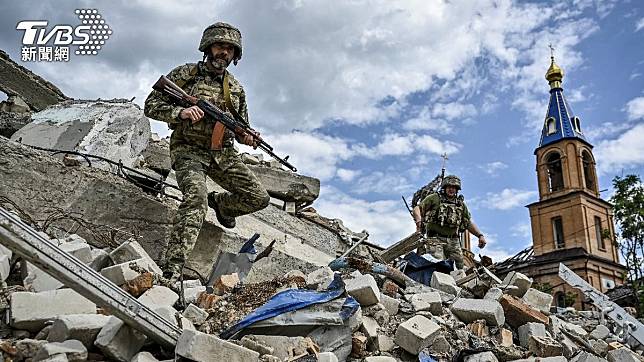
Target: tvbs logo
<point x="41" y="43"/>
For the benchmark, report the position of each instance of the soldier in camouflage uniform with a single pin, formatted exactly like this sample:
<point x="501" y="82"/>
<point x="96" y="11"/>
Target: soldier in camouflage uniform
<point x="192" y="154"/>
<point x="443" y="216"/>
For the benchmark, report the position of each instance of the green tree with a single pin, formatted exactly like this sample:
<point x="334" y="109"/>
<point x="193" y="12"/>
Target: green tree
<point x="628" y="206"/>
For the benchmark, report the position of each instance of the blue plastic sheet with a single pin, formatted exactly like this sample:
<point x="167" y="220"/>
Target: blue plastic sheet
<point x="424" y="357"/>
<point x="294" y="299"/>
<point x="421" y="270"/>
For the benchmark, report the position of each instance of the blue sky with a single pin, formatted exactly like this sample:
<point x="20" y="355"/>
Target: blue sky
<point x="367" y="94"/>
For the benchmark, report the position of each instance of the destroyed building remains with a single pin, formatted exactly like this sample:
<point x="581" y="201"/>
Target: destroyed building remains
<point x="86" y="217"/>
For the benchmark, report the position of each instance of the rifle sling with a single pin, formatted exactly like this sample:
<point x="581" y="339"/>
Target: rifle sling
<point x="217" y="140"/>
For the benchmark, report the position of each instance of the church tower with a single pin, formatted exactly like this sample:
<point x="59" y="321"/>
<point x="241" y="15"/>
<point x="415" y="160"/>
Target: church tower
<point x="570" y="222"/>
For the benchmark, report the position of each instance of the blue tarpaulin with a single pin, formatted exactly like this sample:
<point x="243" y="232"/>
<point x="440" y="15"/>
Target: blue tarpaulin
<point x="294" y="299"/>
<point x="420" y="269"/>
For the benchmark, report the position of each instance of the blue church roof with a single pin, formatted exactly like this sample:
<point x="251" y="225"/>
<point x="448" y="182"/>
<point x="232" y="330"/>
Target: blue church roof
<point x="560" y="121"/>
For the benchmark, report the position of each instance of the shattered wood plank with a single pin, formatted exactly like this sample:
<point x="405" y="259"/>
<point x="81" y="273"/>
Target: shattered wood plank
<point x="402" y="247"/>
<point x="26" y="242"/>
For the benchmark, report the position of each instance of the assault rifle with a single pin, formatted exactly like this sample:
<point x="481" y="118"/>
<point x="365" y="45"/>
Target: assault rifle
<point x="179" y="97"/>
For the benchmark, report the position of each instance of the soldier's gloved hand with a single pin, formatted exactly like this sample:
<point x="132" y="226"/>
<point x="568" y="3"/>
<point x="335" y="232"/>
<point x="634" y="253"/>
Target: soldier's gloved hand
<point x="482" y="241"/>
<point x="251" y="140"/>
<point x="193" y="114"/>
<point x="419" y="227"/>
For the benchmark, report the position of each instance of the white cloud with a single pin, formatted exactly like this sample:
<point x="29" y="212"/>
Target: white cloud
<point x="386" y="220"/>
<point x="635" y="108"/>
<point x="347" y="175"/>
<point x="508" y="198"/>
<point x="523" y="230"/>
<point x="639" y="25"/>
<point x="625" y="151"/>
<point x="382" y="183"/>
<point x="493" y="168"/>
<point x="453" y="110"/>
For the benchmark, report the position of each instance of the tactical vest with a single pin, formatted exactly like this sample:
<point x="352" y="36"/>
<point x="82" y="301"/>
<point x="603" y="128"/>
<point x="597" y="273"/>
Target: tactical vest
<point x="448" y="214"/>
<point x="207" y="88"/>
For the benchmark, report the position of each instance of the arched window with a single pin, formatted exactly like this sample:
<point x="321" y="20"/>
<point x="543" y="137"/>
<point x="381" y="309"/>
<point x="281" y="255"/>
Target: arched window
<point x="560" y="299"/>
<point x="587" y="163"/>
<point x="577" y="124"/>
<point x="555" y="173"/>
<point x="551" y="125"/>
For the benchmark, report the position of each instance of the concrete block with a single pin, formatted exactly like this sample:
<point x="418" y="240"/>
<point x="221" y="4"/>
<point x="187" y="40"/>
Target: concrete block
<point x="172" y="315"/>
<point x="600" y="347"/>
<point x="622" y="354"/>
<point x="72" y="349"/>
<point x="364" y="289"/>
<point x="37" y="280"/>
<point x="355" y="320"/>
<point x="327" y="357"/>
<point x="130" y="250"/>
<point x="517" y="313"/>
<point x="530" y="329"/>
<point x="519" y="280"/>
<point x="100" y="259"/>
<point x="119" y="341"/>
<point x="538" y="300"/>
<point x="544" y="346"/>
<point x="574" y="328"/>
<point x="194" y="283"/>
<point x="320" y="278"/>
<point x="81" y="327"/>
<point x="284" y="347"/>
<point x="469" y="310"/>
<point x="416" y="333"/>
<point x="600" y="332"/>
<point x="80" y="250"/>
<point x="51" y="304"/>
<point x="427" y="301"/>
<point x="203" y="347"/>
<point x="444" y="283"/>
<point x="121" y="273"/>
<point x="390" y="304"/>
<point x="195" y="314"/>
<point x="440" y="345"/>
<point x="159" y="296"/>
<point x="144" y="357"/>
<point x="192" y="294"/>
<point x="225" y="283"/>
<point x="481" y="357"/>
<point x="61" y="357"/>
<point x="369" y="327"/>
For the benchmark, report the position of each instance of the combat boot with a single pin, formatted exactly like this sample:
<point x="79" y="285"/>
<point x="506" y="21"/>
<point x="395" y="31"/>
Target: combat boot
<point x="225" y="221"/>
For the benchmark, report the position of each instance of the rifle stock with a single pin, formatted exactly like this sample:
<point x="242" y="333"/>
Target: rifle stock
<point x="179" y="97"/>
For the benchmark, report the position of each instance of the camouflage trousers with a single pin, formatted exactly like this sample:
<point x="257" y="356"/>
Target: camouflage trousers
<point x="245" y="194"/>
<point x="443" y="248"/>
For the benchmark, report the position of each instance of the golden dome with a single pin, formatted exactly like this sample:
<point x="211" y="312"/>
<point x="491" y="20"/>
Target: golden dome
<point x="554" y="73"/>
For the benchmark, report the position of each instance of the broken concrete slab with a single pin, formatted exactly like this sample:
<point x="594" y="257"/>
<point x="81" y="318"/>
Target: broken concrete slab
<point x="470" y="310"/>
<point x="81" y="327"/>
<point x="600" y="332"/>
<point x="327" y="357"/>
<point x="584" y="356"/>
<point x="519" y="280"/>
<point x="37" y="92"/>
<point x="390" y="304"/>
<point x="623" y="354"/>
<point x="364" y="289"/>
<point x="416" y="333"/>
<point x="37" y="280"/>
<point x="517" y="313"/>
<point x="121" y="273"/>
<point x="287" y="186"/>
<point x="370" y="327"/>
<point x="195" y="314"/>
<point x="74" y="350"/>
<point x="530" y="329"/>
<point x="543" y="346"/>
<point x="100" y="259"/>
<point x="81" y="126"/>
<point x="51" y="304"/>
<point x="493" y="294"/>
<point x="320" y="278"/>
<point x="173" y="316"/>
<point x="119" y="341"/>
<point x="539" y="300"/>
<point x="130" y="250"/>
<point x="203" y="347"/>
<point x="484" y="280"/>
<point x="144" y="357"/>
<point x="159" y="296"/>
<point x="27" y="348"/>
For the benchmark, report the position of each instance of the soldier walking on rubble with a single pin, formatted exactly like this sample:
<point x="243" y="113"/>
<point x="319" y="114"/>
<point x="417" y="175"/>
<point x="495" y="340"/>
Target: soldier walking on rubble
<point x="192" y="154"/>
<point x="443" y="216"/>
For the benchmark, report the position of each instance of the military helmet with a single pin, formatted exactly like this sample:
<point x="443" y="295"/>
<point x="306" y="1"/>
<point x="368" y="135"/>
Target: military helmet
<point x="224" y="33"/>
<point x="451" y="180"/>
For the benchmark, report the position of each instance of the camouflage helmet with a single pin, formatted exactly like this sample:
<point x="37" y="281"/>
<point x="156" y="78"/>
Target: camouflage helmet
<point x="224" y="33"/>
<point x="451" y="180"/>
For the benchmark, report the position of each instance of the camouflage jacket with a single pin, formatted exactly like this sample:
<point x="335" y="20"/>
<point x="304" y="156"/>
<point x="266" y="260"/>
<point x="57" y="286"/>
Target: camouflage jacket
<point x="444" y="217"/>
<point x="193" y="140"/>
